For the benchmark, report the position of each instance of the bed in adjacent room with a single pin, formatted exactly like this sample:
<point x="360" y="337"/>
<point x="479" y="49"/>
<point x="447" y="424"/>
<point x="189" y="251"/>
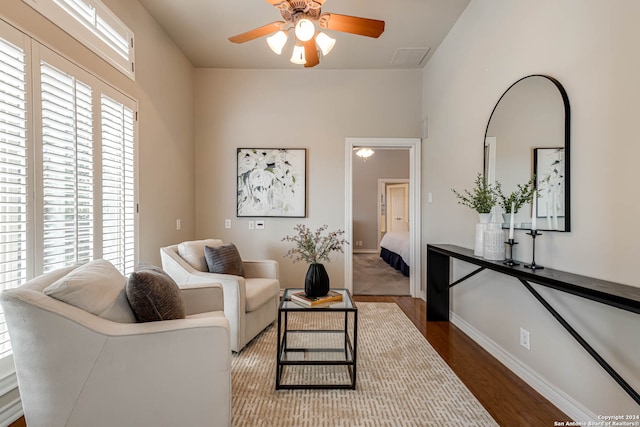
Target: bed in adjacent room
<point x="394" y="250"/>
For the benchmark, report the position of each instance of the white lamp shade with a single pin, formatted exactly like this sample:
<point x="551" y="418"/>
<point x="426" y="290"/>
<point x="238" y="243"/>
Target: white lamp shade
<point x="277" y="41"/>
<point x="298" y="55"/>
<point x="325" y="43"/>
<point x="305" y="30"/>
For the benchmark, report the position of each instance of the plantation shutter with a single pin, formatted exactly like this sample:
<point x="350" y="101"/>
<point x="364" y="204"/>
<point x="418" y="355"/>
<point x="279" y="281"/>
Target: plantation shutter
<point x="13" y="174"/>
<point x="67" y="167"/>
<point x="118" y="184"/>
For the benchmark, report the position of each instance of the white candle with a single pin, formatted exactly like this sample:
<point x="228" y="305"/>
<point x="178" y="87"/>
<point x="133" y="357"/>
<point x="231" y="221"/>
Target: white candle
<point x="555" y="210"/>
<point x="513" y="208"/>
<point x="533" y="211"/>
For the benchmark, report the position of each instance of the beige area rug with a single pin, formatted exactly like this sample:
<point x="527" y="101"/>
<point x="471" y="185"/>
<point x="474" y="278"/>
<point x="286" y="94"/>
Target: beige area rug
<point x="373" y="276"/>
<point x="401" y="381"/>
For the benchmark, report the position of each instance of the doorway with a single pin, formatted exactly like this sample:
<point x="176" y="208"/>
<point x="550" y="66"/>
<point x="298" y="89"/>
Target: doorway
<point x="413" y="190"/>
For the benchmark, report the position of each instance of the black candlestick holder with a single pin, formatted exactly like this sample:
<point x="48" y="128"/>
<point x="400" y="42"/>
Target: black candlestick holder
<point x="510" y="262"/>
<point x="533" y="265"/>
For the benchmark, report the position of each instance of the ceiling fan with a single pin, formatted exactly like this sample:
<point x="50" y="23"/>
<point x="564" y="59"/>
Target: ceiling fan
<point x="301" y="16"/>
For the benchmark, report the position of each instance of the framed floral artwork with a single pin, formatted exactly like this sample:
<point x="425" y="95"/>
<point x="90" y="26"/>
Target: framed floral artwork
<point x="272" y="182"/>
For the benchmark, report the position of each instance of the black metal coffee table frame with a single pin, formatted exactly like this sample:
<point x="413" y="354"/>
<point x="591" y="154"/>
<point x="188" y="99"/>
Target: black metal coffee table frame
<point x="348" y="348"/>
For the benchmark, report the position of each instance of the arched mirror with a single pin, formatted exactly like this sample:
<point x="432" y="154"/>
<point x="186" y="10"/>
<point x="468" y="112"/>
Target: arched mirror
<point x="528" y="134"/>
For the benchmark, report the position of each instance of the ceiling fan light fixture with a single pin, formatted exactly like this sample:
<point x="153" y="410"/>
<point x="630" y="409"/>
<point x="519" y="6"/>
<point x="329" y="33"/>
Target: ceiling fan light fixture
<point x="325" y="43"/>
<point x="298" y="55"/>
<point x="305" y="30"/>
<point x="277" y="41"/>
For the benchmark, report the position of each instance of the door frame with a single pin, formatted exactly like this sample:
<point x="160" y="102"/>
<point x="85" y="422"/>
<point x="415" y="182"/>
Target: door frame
<point x="413" y="145"/>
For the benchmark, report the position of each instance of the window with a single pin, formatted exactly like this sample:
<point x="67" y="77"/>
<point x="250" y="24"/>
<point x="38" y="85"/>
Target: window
<point x="67" y="167"/>
<point x="95" y="26"/>
<point x="13" y="170"/>
<point x="118" y="189"/>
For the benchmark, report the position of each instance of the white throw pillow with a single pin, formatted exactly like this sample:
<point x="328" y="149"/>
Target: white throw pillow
<point x="97" y="287"/>
<point x="193" y="252"/>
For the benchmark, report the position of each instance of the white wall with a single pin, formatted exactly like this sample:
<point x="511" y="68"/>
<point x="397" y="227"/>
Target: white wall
<point x="313" y="109"/>
<point x="589" y="46"/>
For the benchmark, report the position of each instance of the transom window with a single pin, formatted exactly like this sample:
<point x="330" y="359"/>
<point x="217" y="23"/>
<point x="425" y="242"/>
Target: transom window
<point x="95" y="26"/>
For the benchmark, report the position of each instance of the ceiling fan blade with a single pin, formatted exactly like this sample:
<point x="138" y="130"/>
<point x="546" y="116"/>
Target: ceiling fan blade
<point x="311" y="53"/>
<point x="352" y="24"/>
<point x="258" y="32"/>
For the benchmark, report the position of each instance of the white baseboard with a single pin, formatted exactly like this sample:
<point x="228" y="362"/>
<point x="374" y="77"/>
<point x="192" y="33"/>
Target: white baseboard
<point x="365" y="251"/>
<point x="12" y="410"/>
<point x="561" y="400"/>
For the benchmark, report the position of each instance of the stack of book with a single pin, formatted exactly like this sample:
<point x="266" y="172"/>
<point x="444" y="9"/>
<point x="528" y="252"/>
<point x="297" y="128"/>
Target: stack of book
<point x="302" y="299"/>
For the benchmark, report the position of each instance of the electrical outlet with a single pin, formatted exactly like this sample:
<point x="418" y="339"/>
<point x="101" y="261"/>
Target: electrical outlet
<point x="227" y="223"/>
<point x="178" y="225"/>
<point x="525" y="339"/>
<point x="252" y="225"/>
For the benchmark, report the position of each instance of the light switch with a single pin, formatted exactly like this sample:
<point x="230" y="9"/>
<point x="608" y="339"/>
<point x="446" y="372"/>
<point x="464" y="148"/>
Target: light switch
<point x="259" y="225"/>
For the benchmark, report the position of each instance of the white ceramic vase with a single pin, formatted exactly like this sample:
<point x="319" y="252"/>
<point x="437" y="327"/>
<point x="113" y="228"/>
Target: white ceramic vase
<point x="481" y="226"/>
<point x="494" y="246"/>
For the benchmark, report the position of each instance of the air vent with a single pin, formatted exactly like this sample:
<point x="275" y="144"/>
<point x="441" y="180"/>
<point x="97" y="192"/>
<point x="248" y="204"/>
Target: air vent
<point x="410" y="57"/>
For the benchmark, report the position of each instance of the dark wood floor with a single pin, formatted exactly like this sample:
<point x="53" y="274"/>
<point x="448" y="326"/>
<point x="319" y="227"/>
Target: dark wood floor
<point x="509" y="400"/>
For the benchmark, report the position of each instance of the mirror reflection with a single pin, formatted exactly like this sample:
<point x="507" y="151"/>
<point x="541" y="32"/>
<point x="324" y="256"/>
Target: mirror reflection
<point x="527" y="135"/>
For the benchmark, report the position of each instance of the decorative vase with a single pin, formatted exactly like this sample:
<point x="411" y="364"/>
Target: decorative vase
<point x="316" y="282"/>
<point x="506" y="219"/>
<point x="494" y="246"/>
<point x="480" y="227"/>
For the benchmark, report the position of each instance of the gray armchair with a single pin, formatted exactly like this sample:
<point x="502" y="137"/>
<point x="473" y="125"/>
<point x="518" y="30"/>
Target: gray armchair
<point x="250" y="302"/>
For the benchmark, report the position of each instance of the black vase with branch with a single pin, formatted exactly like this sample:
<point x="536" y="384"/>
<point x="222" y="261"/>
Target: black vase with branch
<point x="314" y="247"/>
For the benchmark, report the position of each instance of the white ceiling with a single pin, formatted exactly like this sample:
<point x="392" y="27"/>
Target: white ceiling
<point x="200" y="28"/>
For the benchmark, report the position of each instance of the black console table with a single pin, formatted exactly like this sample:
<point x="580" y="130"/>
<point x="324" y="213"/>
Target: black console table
<point x="614" y="294"/>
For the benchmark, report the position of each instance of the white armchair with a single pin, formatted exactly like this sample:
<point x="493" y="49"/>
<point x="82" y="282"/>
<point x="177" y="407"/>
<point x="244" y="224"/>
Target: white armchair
<point x="77" y="369"/>
<point x="250" y="302"/>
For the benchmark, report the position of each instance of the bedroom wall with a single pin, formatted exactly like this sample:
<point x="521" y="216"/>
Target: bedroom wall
<point x="389" y="164"/>
<point x="587" y="45"/>
<point x="164" y="91"/>
<point x="313" y="109"/>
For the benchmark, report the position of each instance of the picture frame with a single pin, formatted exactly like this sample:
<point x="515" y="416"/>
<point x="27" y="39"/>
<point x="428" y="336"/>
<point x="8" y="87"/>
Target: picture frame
<point x="549" y="169"/>
<point x="271" y="182"/>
